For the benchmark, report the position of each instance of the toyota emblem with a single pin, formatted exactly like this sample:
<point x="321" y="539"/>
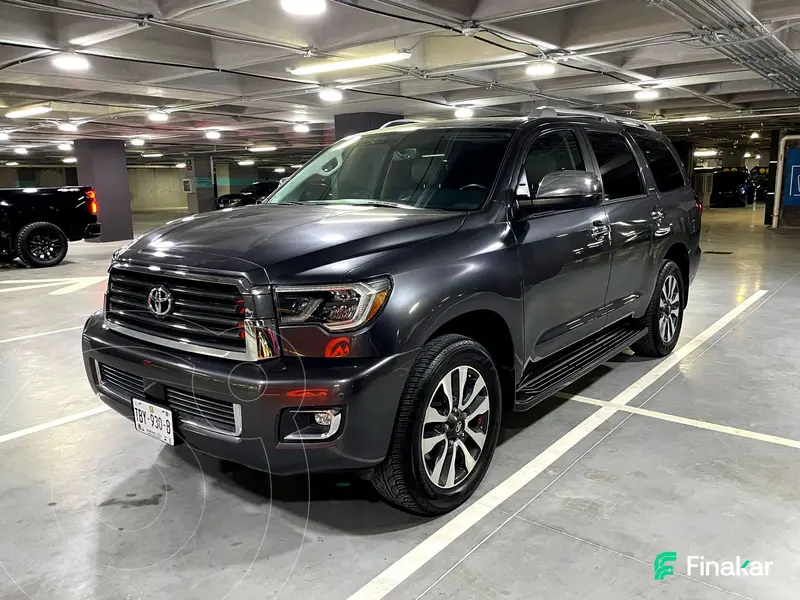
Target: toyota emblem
<point x="159" y="301"/>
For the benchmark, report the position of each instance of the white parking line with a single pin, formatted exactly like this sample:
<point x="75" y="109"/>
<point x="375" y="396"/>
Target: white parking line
<point x="745" y="433"/>
<point x="412" y="561"/>
<point x="54" y="423"/>
<point x="36" y="335"/>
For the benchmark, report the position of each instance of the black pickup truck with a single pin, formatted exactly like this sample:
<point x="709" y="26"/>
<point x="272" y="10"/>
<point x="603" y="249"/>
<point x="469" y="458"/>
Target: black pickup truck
<point x="36" y="224"/>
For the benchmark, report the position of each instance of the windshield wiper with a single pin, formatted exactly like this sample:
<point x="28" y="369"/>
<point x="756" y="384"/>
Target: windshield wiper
<point x="380" y="203"/>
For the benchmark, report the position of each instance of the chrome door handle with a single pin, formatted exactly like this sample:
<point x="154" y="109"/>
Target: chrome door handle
<point x="657" y="213"/>
<point x="599" y="230"/>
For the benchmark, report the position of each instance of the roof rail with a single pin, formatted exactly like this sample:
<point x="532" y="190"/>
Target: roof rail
<point x="397" y="122"/>
<point x="545" y="112"/>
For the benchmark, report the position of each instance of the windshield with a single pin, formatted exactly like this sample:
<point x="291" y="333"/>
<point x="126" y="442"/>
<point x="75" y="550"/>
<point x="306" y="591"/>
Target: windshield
<point x="447" y="169"/>
<point x="729" y="181"/>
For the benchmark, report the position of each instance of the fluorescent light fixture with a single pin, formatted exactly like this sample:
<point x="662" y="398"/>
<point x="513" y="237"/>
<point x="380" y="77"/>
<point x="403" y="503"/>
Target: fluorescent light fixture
<point x="213" y="134"/>
<point x="246" y="163"/>
<point x="694" y="119"/>
<point x="28" y="111"/>
<point x="705" y="153"/>
<point x="748" y="155"/>
<point x="304" y="8"/>
<point x="541" y="69"/>
<point x="464" y="113"/>
<point x="649" y="94"/>
<point x="262" y="148"/>
<point x="69" y="159"/>
<point x="12" y="164"/>
<point x="152" y="155"/>
<point x="180" y="166"/>
<point x="3" y="136"/>
<point x="137" y="142"/>
<point x="69" y="61"/>
<point x="297" y="166"/>
<point x="328" y="95"/>
<point x="68" y="127"/>
<point x="302" y="128"/>
<point x="158" y="116"/>
<point x="20" y="150"/>
<point x="30" y="190"/>
<point x="280" y="170"/>
<point x="65" y="147"/>
<point x="754" y="136"/>
<point x="353" y="63"/>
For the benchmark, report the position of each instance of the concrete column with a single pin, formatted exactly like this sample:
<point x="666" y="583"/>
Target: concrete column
<point x="774" y="149"/>
<point x="351" y="123"/>
<point x="102" y="164"/>
<point x="200" y="170"/>
<point x="685" y="151"/>
<point x="223" y="177"/>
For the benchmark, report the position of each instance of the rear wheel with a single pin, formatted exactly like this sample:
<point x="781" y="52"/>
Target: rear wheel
<point x="41" y="244"/>
<point x="664" y="317"/>
<point x="446" y="429"/>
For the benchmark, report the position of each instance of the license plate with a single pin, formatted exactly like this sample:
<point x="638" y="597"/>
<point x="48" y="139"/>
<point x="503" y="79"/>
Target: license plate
<point x="154" y="421"/>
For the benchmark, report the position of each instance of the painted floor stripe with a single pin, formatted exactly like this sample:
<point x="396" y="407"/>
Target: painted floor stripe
<point x="411" y="562"/>
<point x="36" y="335"/>
<point x="55" y="423"/>
<point x="745" y="433"/>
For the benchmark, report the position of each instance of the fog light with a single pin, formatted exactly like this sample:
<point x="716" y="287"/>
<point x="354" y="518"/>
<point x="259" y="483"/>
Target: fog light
<point x="312" y="425"/>
<point x="323" y="418"/>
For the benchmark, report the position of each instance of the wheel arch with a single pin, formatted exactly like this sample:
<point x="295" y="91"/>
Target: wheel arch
<point x="679" y="254"/>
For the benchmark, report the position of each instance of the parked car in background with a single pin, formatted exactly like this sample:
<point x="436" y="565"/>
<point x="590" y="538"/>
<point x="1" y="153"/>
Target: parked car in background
<point x="732" y="188"/>
<point x="760" y="177"/>
<point x="37" y="224"/>
<point x="249" y="195"/>
<point x="398" y="294"/>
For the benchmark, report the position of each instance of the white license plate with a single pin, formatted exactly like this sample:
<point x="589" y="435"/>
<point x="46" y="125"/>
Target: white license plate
<point x="154" y="421"/>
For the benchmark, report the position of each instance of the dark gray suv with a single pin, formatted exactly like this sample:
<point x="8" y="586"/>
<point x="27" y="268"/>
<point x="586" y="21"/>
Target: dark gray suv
<point x="397" y="295"/>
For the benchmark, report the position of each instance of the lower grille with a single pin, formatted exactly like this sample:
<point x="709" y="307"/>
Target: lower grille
<point x="216" y="415"/>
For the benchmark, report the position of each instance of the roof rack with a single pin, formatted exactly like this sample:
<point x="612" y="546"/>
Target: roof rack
<point x="397" y="122"/>
<point x="543" y="112"/>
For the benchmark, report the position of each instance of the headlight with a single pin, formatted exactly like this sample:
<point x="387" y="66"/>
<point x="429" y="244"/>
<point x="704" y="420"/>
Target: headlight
<point x="334" y="307"/>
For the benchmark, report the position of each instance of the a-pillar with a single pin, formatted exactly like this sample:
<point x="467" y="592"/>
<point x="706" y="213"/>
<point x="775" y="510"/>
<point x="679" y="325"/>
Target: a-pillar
<point x="200" y="172"/>
<point x="351" y="123"/>
<point x="102" y="165"/>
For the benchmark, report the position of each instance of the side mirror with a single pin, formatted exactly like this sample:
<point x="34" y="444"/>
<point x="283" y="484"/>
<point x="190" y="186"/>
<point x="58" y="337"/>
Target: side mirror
<point x="562" y="190"/>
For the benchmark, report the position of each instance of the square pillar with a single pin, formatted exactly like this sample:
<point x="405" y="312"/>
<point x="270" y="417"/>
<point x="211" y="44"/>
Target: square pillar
<point x="201" y="172"/>
<point x="102" y="164"/>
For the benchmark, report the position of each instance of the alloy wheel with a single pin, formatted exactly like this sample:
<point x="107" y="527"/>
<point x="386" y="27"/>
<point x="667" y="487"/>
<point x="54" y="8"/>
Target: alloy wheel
<point x="455" y="426"/>
<point x="44" y="245"/>
<point x="669" y="309"/>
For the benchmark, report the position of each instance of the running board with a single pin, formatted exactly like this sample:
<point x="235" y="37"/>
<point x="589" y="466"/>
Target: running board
<point x="558" y="371"/>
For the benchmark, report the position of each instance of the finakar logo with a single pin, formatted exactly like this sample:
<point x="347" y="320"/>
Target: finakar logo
<point x="699" y="566"/>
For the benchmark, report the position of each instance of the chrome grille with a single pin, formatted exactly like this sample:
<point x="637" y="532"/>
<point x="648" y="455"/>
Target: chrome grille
<point x="217" y="415"/>
<point x="207" y="313"/>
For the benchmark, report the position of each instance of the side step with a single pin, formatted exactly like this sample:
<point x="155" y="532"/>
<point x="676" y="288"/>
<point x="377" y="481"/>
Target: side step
<point x="558" y="371"/>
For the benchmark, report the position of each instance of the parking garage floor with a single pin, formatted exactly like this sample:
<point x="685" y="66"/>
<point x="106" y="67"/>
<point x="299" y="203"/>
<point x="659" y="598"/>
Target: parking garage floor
<point x="693" y="455"/>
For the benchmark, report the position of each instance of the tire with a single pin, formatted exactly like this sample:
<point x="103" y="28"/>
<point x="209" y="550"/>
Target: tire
<point x="655" y="343"/>
<point x="41" y="244"/>
<point x="407" y="477"/>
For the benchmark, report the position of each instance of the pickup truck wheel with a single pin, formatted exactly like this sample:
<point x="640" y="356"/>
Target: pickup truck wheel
<point x="446" y="429"/>
<point x="41" y="244"/>
<point x="664" y="317"/>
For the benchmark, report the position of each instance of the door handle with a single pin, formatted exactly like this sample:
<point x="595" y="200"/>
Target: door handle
<point x="657" y="213"/>
<point x="599" y="230"/>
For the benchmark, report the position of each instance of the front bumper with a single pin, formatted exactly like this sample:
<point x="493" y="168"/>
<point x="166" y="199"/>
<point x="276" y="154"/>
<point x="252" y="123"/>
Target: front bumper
<point x="366" y="390"/>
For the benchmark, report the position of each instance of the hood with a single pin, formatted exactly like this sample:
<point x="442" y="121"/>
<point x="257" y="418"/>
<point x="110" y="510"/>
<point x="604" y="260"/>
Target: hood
<point x="277" y="243"/>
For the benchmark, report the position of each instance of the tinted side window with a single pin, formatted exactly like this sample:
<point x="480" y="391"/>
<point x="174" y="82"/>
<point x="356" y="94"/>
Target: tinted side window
<point x="556" y="151"/>
<point x="666" y="170"/>
<point x="618" y="167"/>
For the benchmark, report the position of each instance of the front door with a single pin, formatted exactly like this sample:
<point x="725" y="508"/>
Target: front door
<point x="565" y="255"/>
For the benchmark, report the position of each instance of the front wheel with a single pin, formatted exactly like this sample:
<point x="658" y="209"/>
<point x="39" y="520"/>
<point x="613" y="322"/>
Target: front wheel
<point x="446" y="429"/>
<point x="664" y="317"/>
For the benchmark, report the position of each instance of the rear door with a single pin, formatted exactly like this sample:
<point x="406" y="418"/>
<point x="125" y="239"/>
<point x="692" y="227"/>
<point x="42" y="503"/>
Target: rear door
<point x="632" y="207"/>
<point x="565" y="255"/>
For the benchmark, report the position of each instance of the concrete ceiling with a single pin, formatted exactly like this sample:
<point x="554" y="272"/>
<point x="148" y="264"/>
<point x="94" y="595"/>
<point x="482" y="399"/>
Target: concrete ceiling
<point x="223" y="64"/>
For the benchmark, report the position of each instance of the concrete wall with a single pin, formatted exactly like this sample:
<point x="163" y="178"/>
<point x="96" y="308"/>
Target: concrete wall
<point x="8" y="177"/>
<point x="157" y="190"/>
<point x="50" y="177"/>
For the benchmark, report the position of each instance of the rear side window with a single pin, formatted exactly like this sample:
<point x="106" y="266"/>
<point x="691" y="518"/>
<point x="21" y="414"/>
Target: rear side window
<point x="666" y="170"/>
<point x="618" y="166"/>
